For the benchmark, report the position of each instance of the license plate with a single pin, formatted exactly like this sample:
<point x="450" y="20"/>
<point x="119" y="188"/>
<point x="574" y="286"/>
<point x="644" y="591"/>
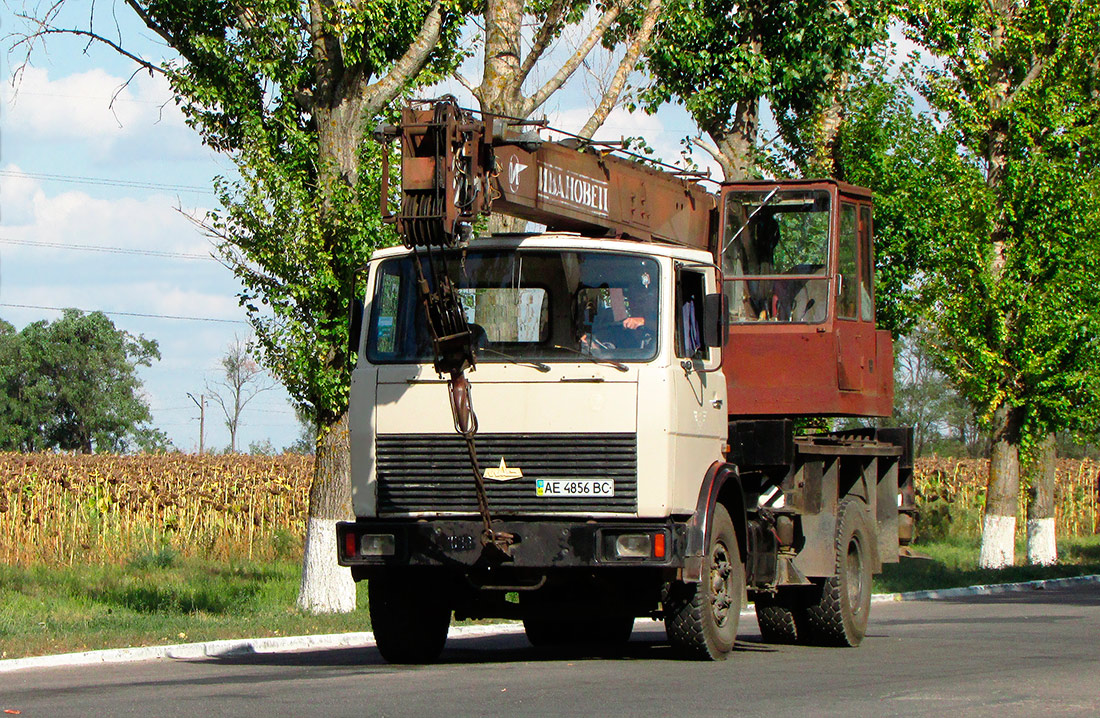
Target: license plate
<point x="574" y="487"/>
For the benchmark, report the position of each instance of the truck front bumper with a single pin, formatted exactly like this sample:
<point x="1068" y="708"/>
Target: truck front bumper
<point x="541" y="543"/>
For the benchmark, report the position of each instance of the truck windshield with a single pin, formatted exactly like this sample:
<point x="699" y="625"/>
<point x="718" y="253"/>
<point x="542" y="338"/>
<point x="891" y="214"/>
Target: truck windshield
<point x="775" y="255"/>
<point x="525" y="305"/>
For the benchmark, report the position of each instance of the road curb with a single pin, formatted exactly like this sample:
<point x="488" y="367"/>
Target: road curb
<point x="282" y="644"/>
<point x="986" y="589"/>
<point x="230" y="647"/>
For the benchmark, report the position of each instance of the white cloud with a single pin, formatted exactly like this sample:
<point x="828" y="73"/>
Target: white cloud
<point x="152" y="222"/>
<point x="99" y="110"/>
<point x="80" y="106"/>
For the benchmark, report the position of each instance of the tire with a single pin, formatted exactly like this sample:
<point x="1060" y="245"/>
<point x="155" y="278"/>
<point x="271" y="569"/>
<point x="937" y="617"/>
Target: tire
<point x="409" y="619"/>
<point x="701" y="618"/>
<point x="777" y="618"/>
<point x="839" y="606"/>
<point x="609" y="631"/>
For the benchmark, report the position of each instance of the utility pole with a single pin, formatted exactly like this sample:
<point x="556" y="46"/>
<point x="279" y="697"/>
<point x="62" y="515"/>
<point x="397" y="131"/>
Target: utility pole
<point x="201" y="403"/>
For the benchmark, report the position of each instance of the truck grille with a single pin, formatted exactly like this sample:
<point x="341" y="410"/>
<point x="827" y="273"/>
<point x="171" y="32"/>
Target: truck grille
<point x="431" y="472"/>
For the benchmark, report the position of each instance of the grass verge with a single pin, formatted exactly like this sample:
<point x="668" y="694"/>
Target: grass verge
<point x="951" y="563"/>
<point x="45" y="610"/>
<point x="160" y="600"/>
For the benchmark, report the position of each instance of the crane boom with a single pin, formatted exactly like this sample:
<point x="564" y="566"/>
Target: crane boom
<point x="456" y="166"/>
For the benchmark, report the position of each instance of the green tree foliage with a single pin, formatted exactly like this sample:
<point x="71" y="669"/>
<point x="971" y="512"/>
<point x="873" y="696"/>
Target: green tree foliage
<point x="1015" y="300"/>
<point x="719" y="58"/>
<point x="1016" y="296"/>
<point x="936" y="216"/>
<point x="930" y="197"/>
<point x="72" y="384"/>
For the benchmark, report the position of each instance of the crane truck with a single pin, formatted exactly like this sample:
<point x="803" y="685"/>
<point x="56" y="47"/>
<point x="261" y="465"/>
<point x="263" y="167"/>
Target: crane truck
<point x="644" y="373"/>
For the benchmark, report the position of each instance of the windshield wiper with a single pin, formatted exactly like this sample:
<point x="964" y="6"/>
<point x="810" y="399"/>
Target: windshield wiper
<point x="595" y="360"/>
<point x="516" y="360"/>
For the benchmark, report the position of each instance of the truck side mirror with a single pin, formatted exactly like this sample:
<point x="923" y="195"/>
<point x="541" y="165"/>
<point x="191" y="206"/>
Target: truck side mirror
<point x="355" y="329"/>
<point x="716" y="320"/>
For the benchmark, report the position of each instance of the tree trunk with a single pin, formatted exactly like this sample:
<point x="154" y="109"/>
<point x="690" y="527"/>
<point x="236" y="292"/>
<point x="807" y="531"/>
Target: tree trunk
<point x="1002" y="494"/>
<point x="506" y="224"/>
<point x="736" y="144"/>
<point x="825" y="160"/>
<point x="499" y="89"/>
<point x="499" y="92"/>
<point x="1042" y="548"/>
<point x="326" y="586"/>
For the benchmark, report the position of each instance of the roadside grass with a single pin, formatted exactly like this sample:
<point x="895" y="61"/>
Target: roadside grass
<point x="953" y="562"/>
<point x="160" y="598"/>
<point x="50" y="609"/>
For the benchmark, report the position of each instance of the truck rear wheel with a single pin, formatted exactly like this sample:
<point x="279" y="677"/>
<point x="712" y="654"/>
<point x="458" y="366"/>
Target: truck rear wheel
<point x="840" y="606"/>
<point x="409" y="619"/>
<point x="701" y="618"/>
<point x="778" y="617"/>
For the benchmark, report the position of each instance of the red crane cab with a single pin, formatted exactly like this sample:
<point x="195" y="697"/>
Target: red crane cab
<point x="798" y="268"/>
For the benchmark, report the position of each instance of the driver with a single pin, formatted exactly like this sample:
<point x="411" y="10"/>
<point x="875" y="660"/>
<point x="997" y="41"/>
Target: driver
<point x="631" y="319"/>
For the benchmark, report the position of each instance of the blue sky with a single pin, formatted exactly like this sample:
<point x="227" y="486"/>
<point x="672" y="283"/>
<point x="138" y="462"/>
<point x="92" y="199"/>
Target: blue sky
<point x="77" y="169"/>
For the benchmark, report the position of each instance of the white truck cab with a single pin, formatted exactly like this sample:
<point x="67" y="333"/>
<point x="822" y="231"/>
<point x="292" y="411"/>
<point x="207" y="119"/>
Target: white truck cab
<point x="596" y="396"/>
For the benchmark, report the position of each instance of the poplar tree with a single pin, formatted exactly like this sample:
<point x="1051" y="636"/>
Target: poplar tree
<point x="1016" y="302"/>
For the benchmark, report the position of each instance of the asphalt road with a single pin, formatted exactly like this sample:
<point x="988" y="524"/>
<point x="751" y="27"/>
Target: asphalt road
<point x="1024" y="654"/>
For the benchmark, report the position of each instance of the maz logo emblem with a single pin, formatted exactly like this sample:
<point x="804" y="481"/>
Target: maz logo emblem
<point x="503" y="472"/>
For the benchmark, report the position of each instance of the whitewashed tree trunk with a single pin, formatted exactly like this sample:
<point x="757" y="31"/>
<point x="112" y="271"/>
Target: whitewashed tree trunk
<point x="326" y="586"/>
<point x="998" y="541"/>
<point x="1042" y="547"/>
<point x="1002" y="495"/>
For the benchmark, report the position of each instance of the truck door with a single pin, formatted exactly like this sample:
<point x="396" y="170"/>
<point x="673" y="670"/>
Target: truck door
<point x="855" y="311"/>
<point x="699" y="391"/>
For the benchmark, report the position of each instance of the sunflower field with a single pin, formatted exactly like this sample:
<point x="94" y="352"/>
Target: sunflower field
<point x="99" y="509"/>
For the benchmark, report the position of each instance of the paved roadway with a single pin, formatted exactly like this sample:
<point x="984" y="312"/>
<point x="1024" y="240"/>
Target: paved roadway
<point x="1023" y="654"/>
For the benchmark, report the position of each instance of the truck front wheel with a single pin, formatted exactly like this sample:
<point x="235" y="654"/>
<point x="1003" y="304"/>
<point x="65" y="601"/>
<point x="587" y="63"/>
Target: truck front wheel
<point x="409" y="619"/>
<point x="701" y="618"/>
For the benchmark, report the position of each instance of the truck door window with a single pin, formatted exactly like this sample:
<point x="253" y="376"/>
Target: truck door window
<point x="689" y="316"/>
<point x="847" y="268"/>
<point x="775" y="255"/>
<point x="867" y="272"/>
<point x="383" y="338"/>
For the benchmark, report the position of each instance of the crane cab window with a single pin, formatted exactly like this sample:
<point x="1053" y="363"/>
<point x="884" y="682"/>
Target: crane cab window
<point x="847" y="264"/>
<point x="855" y="264"/>
<point x="775" y="255"/>
<point x="867" y="299"/>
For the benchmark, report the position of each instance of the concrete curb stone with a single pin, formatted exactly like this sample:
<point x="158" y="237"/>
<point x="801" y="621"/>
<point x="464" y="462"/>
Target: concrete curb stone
<point x="281" y="644"/>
